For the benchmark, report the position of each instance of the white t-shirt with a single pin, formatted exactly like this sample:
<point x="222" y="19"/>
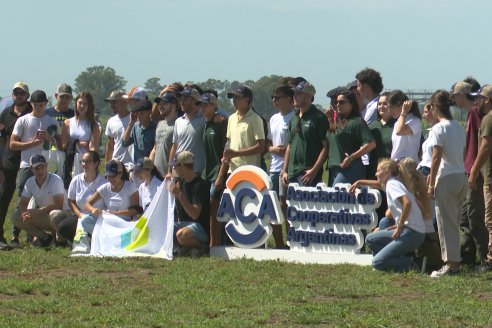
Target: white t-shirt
<point x="80" y="130"/>
<point x="427" y="148"/>
<point x="80" y="190"/>
<point x="43" y="196"/>
<point x="278" y="133"/>
<point x="409" y="145"/>
<point x="146" y="193"/>
<point x="117" y="201"/>
<point x="450" y="135"/>
<point x="394" y="190"/>
<point x="115" y="129"/>
<point x="370" y="114"/>
<point x="26" y="127"/>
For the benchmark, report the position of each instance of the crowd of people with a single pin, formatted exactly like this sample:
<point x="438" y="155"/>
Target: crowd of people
<point x="438" y="178"/>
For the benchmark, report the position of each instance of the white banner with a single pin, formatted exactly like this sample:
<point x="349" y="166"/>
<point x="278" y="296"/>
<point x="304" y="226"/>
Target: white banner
<point x="151" y="235"/>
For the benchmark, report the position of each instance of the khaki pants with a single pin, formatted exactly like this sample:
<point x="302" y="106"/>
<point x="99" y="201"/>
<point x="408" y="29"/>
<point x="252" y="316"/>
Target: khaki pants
<point x="487" y="195"/>
<point x="450" y="194"/>
<point x="38" y="226"/>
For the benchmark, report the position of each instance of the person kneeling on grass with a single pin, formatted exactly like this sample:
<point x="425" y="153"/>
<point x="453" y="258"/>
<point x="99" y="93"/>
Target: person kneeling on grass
<point x="48" y="193"/>
<point x="119" y="197"/>
<point x="193" y="208"/>
<point x="408" y="201"/>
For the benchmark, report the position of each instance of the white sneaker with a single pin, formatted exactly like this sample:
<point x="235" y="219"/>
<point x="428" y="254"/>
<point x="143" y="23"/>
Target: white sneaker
<point x="444" y="271"/>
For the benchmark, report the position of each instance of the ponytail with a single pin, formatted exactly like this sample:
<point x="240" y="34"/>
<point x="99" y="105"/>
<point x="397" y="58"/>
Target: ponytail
<point x="415" y="183"/>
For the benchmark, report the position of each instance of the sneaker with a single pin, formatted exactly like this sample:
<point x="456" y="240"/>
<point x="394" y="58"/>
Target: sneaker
<point x="444" y="271"/>
<point x="43" y="243"/>
<point x="4" y="246"/>
<point x="485" y="266"/>
<point x="199" y="252"/>
<point x="14" y="242"/>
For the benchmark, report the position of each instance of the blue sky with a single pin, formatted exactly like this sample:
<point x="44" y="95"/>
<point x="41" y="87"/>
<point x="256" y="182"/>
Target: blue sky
<point x="414" y="44"/>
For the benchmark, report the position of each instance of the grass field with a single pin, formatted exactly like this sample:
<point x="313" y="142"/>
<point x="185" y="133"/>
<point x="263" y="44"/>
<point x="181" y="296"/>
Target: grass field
<point x="47" y="288"/>
<point x="40" y="288"/>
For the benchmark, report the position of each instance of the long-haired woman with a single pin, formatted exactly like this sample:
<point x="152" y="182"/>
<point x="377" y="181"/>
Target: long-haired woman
<point x="447" y="180"/>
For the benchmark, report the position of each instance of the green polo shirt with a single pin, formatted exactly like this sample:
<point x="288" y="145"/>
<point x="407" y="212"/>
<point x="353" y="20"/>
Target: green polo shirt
<point x="214" y="139"/>
<point x="306" y="135"/>
<point x="486" y="131"/>
<point x="347" y="140"/>
<point x="382" y="136"/>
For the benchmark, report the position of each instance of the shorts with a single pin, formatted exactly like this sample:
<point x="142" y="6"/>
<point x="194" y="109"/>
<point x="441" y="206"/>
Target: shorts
<point x="278" y="185"/>
<point x="195" y="227"/>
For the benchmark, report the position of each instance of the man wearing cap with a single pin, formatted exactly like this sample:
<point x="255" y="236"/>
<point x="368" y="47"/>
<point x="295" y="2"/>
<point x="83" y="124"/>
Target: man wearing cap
<point x="61" y="111"/>
<point x="188" y="129"/>
<point x="474" y="236"/>
<point x="10" y="163"/>
<point x="192" y="207"/>
<point x="32" y="134"/>
<point x="48" y="192"/>
<point x="116" y="126"/>
<point x="167" y="105"/>
<point x="483" y="165"/>
<point x="135" y="96"/>
<point x="140" y="132"/>
<point x="214" y="139"/>
<point x="308" y="147"/>
<point x="245" y="131"/>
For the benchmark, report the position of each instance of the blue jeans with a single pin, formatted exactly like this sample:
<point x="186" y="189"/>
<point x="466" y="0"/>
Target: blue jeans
<point x="386" y="223"/>
<point x="354" y="172"/>
<point x="88" y="222"/>
<point x="394" y="255"/>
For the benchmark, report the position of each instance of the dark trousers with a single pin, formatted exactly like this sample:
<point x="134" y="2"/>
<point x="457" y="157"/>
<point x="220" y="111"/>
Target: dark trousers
<point x="7" y="190"/>
<point x="474" y="236"/>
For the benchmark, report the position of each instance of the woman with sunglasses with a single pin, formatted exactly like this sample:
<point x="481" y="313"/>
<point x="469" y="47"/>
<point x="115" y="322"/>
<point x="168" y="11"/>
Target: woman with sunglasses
<point x="447" y="181"/>
<point x="348" y="142"/>
<point x="81" y="188"/>
<point x="118" y="196"/>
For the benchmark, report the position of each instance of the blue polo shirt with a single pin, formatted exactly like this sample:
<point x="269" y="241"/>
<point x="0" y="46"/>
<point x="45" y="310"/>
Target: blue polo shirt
<point x="142" y="139"/>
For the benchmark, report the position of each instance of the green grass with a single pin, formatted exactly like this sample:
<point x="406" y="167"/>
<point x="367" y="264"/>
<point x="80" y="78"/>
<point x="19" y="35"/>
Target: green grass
<point x="41" y="288"/>
<point x="47" y="288"/>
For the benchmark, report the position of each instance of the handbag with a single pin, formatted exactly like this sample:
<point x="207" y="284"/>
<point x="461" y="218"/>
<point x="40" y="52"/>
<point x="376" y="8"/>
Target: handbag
<point x="55" y="159"/>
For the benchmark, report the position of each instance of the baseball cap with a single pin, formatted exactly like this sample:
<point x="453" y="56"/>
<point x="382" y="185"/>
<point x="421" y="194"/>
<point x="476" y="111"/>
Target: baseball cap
<point x="190" y="92"/>
<point x="37" y="160"/>
<point x="352" y="85"/>
<point x="305" y="87"/>
<point x="137" y="93"/>
<point x="208" y="98"/>
<point x="461" y="88"/>
<point x="113" y="168"/>
<point x="144" y="163"/>
<point x="242" y="90"/>
<point x="21" y="85"/>
<point x="167" y="97"/>
<point x="64" y="89"/>
<point x="485" y="91"/>
<point x="184" y="157"/>
<point x="116" y="95"/>
<point x="38" y="96"/>
<point x="335" y="92"/>
<point x="142" y="106"/>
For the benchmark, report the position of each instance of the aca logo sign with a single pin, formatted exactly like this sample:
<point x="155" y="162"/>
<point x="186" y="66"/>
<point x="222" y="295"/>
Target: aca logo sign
<point x="249" y="207"/>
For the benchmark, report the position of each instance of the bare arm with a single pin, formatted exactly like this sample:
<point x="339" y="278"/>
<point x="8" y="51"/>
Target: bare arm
<point x="17" y="144"/>
<point x="435" y="163"/>
<point x="75" y="209"/>
<point x="364" y="149"/>
<point x="95" y="138"/>
<point x="285" y="176"/>
<point x="108" y="155"/>
<point x="172" y="153"/>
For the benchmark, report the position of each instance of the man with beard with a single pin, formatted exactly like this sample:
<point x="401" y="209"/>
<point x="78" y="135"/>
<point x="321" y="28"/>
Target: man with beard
<point x="167" y="104"/>
<point x="308" y="147"/>
<point x="10" y="163"/>
<point x="116" y="127"/>
<point x="483" y="165"/>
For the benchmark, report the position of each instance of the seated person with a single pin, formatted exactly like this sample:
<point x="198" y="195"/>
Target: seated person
<point x="147" y="172"/>
<point x="193" y="208"/>
<point x="119" y="197"/>
<point x="48" y="193"/>
<point x="81" y="188"/>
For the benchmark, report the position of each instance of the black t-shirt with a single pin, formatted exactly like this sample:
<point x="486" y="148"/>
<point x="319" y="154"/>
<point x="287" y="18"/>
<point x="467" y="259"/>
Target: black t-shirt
<point x="60" y="117"/>
<point x="197" y="191"/>
<point x="8" y="118"/>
